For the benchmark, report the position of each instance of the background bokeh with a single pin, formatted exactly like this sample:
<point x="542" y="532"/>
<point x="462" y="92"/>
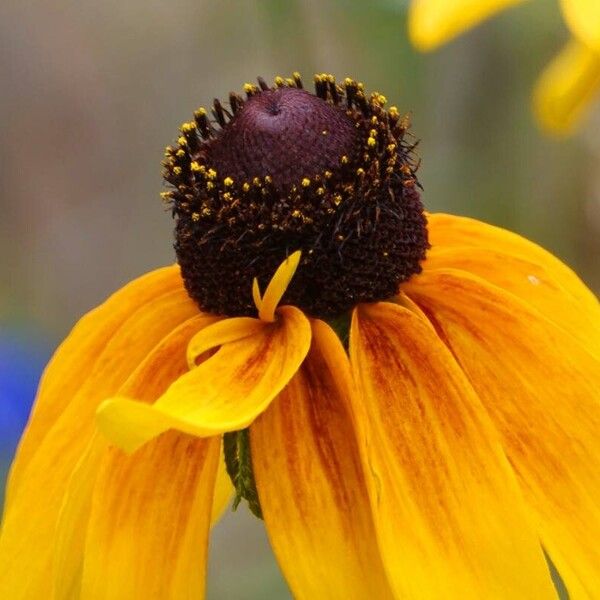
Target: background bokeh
<point x="91" y="92"/>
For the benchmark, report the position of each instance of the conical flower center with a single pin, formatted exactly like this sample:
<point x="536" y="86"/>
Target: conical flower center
<point x="330" y="174"/>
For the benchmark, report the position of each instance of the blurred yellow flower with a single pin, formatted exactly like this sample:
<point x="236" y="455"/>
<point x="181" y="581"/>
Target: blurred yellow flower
<point x="566" y="88"/>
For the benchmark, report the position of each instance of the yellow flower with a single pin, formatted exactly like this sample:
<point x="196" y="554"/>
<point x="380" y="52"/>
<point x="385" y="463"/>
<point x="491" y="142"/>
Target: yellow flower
<point x="434" y="452"/>
<point x="570" y="83"/>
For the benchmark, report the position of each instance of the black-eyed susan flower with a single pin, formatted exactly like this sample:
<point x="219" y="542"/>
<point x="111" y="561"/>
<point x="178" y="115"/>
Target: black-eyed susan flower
<point x="570" y="83"/>
<point x="408" y="427"/>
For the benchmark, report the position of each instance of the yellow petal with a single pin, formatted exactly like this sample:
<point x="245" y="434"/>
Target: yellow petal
<point x="27" y="537"/>
<point x="75" y="359"/>
<point x="452" y="231"/>
<point x="224" y="393"/>
<point x="222" y="332"/>
<point x="148" y="530"/>
<point x="432" y="23"/>
<point x="67" y="554"/>
<point x="449" y="515"/>
<point x="163" y="365"/>
<point x="223" y="491"/>
<point x="527" y="279"/>
<point x="583" y="18"/>
<point x="276" y="288"/>
<point x="542" y="391"/>
<point x="310" y="481"/>
<point x="564" y="92"/>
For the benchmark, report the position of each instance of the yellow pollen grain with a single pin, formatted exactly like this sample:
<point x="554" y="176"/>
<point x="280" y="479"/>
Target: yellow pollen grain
<point x="391" y="147"/>
<point x="195" y="166"/>
<point x="210" y="185"/>
<point x="211" y="174"/>
<point x="373" y="133"/>
<point x="227" y="182"/>
<point x="188" y="127"/>
<point x="337" y="199"/>
<point x="195" y="216"/>
<point x="360" y="171"/>
<point x="268" y="179"/>
<point x="344" y="160"/>
<point x="256" y="182"/>
<point x="305" y="182"/>
<point x="180" y="153"/>
<point x="320" y="191"/>
<point x="201" y="112"/>
<point x="165" y="195"/>
<point x="393" y="112"/>
<point x="328" y="174"/>
<point x="371" y="142"/>
<point x="348" y="82"/>
<point x="296" y="75"/>
<point x="249" y="88"/>
<point x="290" y="81"/>
<point x="279" y="81"/>
<point x="206" y="211"/>
<point x="227" y="196"/>
<point x="296" y="214"/>
<point x="246" y="187"/>
<point x="374" y="120"/>
<point x="181" y="141"/>
<point x="177" y="170"/>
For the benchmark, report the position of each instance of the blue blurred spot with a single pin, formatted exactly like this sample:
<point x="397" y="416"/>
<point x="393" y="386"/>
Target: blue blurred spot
<point x="22" y="360"/>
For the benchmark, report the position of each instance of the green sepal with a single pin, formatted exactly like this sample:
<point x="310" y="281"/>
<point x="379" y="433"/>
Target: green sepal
<point x="238" y="462"/>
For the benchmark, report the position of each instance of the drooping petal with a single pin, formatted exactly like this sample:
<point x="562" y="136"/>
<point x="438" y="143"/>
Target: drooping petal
<point x="564" y="92"/>
<point x="450" y="519"/>
<point x="583" y="18"/>
<point x="148" y="530"/>
<point x="224" y="393"/>
<point x="223" y="491"/>
<point x="530" y="281"/>
<point x="542" y="391"/>
<point x="164" y="364"/>
<point x="449" y="231"/>
<point x="77" y="357"/>
<point x="310" y="481"/>
<point x="27" y="537"/>
<point x="432" y="23"/>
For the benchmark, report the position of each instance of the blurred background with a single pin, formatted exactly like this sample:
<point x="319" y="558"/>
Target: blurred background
<point x="91" y="92"/>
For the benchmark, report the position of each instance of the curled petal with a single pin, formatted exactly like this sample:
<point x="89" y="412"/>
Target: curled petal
<point x="564" y="92"/>
<point x="276" y="288"/>
<point x="310" y="481"/>
<point x="449" y="516"/>
<point x="224" y="393"/>
<point x="219" y="333"/>
<point x="432" y="23"/>
<point x="541" y="389"/>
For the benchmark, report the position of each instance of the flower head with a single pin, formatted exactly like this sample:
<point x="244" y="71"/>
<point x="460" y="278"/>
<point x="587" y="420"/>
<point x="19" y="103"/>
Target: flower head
<point x="407" y="428"/>
<point x="570" y="83"/>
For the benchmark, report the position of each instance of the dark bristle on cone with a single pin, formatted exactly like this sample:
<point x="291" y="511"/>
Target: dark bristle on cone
<point x="331" y="173"/>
